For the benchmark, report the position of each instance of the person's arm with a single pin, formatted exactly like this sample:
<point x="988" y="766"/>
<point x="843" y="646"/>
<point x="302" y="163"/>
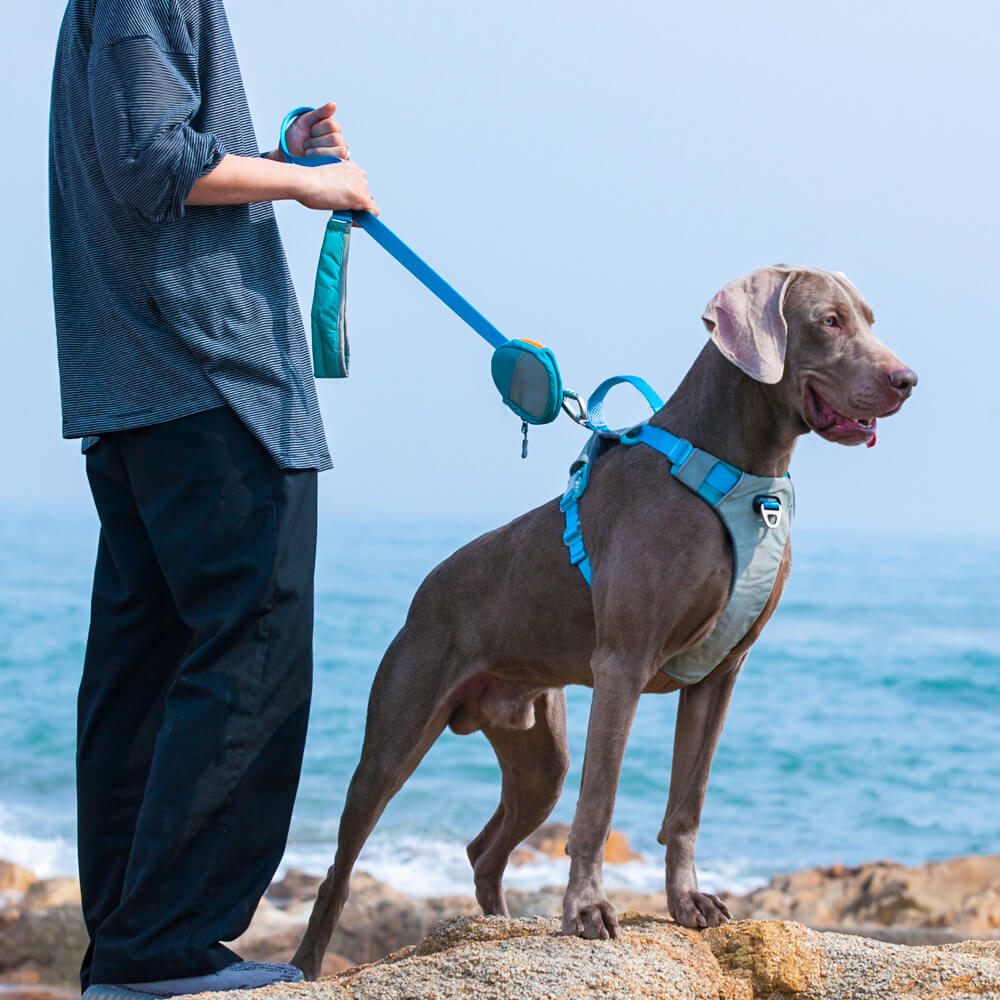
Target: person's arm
<point x="237" y="180"/>
<point x="155" y="163"/>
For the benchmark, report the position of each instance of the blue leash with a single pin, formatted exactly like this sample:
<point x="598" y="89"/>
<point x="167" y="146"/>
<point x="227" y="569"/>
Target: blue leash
<point x="390" y="242"/>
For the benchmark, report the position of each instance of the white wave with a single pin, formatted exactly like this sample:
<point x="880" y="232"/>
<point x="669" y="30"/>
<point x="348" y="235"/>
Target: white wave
<point x="46" y="857"/>
<point x="428" y="867"/>
<point x="415" y="865"/>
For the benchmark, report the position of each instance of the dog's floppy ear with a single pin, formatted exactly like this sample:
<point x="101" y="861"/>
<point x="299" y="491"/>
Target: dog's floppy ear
<point x="746" y="321"/>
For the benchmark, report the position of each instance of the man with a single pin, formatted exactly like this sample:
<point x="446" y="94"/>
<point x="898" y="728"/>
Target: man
<point x="183" y="366"/>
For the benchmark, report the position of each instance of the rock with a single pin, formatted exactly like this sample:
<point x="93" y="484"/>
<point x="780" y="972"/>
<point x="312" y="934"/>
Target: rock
<point x="489" y="958"/>
<point x="296" y="885"/>
<point x="545" y="902"/>
<point x="962" y="895"/>
<point x="550" y="839"/>
<point x="39" y="993"/>
<point x="43" y="945"/>
<point x="273" y="936"/>
<point x="618" y="850"/>
<point x="773" y="957"/>
<point x="377" y="920"/>
<point x="14" y="878"/>
<point x="980" y="913"/>
<point x="51" y="892"/>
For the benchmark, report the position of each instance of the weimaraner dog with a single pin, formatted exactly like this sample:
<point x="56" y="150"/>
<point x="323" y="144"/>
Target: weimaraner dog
<point x="497" y="631"/>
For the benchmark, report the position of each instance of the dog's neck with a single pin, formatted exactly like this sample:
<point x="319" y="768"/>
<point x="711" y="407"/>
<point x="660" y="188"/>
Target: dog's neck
<point x="726" y="413"/>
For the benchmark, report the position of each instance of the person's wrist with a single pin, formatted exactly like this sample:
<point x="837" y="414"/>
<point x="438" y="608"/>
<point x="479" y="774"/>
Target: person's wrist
<point x="301" y="180"/>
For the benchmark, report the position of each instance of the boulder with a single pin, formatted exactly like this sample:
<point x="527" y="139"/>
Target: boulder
<point x="490" y="958"/>
<point x="550" y="839"/>
<point x="14" y="878"/>
<point x="43" y="945"/>
<point x="273" y="936"/>
<point x="377" y="920"/>
<point x="961" y="895"/>
<point x="48" y="892"/>
<point x="295" y="886"/>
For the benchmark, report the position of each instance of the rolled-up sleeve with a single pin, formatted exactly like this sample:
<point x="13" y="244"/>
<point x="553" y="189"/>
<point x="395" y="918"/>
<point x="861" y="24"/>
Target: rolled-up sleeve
<point x="143" y="100"/>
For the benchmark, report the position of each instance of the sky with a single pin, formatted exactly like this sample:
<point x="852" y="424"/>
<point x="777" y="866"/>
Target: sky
<point x="588" y="175"/>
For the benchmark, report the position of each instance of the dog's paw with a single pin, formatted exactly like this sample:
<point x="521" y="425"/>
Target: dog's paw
<point x="589" y="915"/>
<point x="698" y="909"/>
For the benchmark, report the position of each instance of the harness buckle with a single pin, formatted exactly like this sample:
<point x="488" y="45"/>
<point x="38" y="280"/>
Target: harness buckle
<point x="769" y="508"/>
<point x="575" y="487"/>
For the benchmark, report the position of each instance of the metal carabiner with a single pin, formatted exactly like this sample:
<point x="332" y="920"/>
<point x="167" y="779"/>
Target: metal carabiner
<point x="582" y="416"/>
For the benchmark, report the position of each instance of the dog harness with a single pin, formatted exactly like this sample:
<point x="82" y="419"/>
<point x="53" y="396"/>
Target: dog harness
<point x="757" y="512"/>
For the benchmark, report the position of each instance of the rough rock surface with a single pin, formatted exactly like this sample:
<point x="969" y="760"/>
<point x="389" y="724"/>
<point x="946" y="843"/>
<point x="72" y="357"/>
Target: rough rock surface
<point x="961" y="894"/>
<point x="376" y="920"/>
<point x="42" y="934"/>
<point x="490" y="958"/>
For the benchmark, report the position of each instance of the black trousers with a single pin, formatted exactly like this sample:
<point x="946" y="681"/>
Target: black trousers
<point x="195" y="693"/>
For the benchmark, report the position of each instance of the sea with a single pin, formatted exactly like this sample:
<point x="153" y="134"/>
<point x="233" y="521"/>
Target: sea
<point x="865" y="725"/>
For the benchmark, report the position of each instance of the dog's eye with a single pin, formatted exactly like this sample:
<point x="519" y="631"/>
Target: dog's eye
<point x="830" y="321"/>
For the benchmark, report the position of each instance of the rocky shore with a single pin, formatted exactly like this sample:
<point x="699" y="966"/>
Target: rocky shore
<point x="937" y="906"/>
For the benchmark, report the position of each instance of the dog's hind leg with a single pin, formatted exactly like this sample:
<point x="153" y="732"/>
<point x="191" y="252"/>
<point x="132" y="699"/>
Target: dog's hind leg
<point x="533" y="763"/>
<point x="405" y="717"/>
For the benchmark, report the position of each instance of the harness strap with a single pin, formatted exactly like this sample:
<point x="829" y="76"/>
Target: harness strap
<point x="709" y="477"/>
<point x="580" y="471"/>
<point x="676" y="449"/>
<point x="573" y="537"/>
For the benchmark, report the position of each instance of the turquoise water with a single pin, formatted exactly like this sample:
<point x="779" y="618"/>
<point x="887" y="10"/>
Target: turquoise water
<point x="866" y="724"/>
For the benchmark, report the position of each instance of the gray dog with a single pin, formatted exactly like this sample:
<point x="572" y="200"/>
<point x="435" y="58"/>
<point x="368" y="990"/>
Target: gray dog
<point x="497" y="631"/>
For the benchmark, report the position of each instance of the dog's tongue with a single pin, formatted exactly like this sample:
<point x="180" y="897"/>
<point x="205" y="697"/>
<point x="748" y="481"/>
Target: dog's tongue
<point x="871" y="443"/>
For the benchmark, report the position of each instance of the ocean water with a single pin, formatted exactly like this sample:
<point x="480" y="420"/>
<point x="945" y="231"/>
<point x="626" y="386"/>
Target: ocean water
<point x="866" y="723"/>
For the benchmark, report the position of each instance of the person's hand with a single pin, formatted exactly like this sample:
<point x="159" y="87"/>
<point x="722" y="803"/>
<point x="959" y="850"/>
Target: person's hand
<point x="317" y="133"/>
<point x="336" y="187"/>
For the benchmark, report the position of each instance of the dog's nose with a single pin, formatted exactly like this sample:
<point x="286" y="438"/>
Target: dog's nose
<point x="903" y="380"/>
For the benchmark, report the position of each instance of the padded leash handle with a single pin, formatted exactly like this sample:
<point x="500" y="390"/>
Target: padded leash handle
<point x="393" y="245"/>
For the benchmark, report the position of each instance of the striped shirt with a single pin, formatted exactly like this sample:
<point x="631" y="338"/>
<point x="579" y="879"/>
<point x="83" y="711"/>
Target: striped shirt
<point x="163" y="310"/>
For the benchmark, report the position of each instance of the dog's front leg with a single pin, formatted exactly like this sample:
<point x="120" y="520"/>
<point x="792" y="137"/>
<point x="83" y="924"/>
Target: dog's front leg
<point x="701" y="713"/>
<point x="586" y="910"/>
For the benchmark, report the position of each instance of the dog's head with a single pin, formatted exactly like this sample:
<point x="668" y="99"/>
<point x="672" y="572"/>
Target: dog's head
<point x="808" y="333"/>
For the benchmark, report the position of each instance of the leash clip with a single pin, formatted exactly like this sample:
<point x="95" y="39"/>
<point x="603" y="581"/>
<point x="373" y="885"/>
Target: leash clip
<point x="769" y="508"/>
<point x="581" y="416"/>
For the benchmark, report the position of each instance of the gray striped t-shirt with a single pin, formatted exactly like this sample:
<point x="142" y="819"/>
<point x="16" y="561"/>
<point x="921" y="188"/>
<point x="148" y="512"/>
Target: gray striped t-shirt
<point x="163" y="310"/>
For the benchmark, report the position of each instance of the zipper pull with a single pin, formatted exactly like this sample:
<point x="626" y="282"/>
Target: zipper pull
<point x="524" y="443"/>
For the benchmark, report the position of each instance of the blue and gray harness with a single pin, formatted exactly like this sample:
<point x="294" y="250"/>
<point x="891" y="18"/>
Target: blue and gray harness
<point x="756" y="511"/>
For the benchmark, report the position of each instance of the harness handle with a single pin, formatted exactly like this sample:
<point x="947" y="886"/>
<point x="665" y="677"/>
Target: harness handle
<point x="595" y="404"/>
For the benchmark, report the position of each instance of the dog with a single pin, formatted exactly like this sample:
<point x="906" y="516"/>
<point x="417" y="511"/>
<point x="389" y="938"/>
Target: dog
<point x="496" y="632"/>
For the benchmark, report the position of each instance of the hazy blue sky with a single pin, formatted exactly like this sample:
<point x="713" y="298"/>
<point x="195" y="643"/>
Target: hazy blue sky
<point x="588" y="175"/>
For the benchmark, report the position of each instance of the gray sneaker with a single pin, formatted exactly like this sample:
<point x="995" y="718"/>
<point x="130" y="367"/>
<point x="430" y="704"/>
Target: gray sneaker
<point x="238" y="976"/>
